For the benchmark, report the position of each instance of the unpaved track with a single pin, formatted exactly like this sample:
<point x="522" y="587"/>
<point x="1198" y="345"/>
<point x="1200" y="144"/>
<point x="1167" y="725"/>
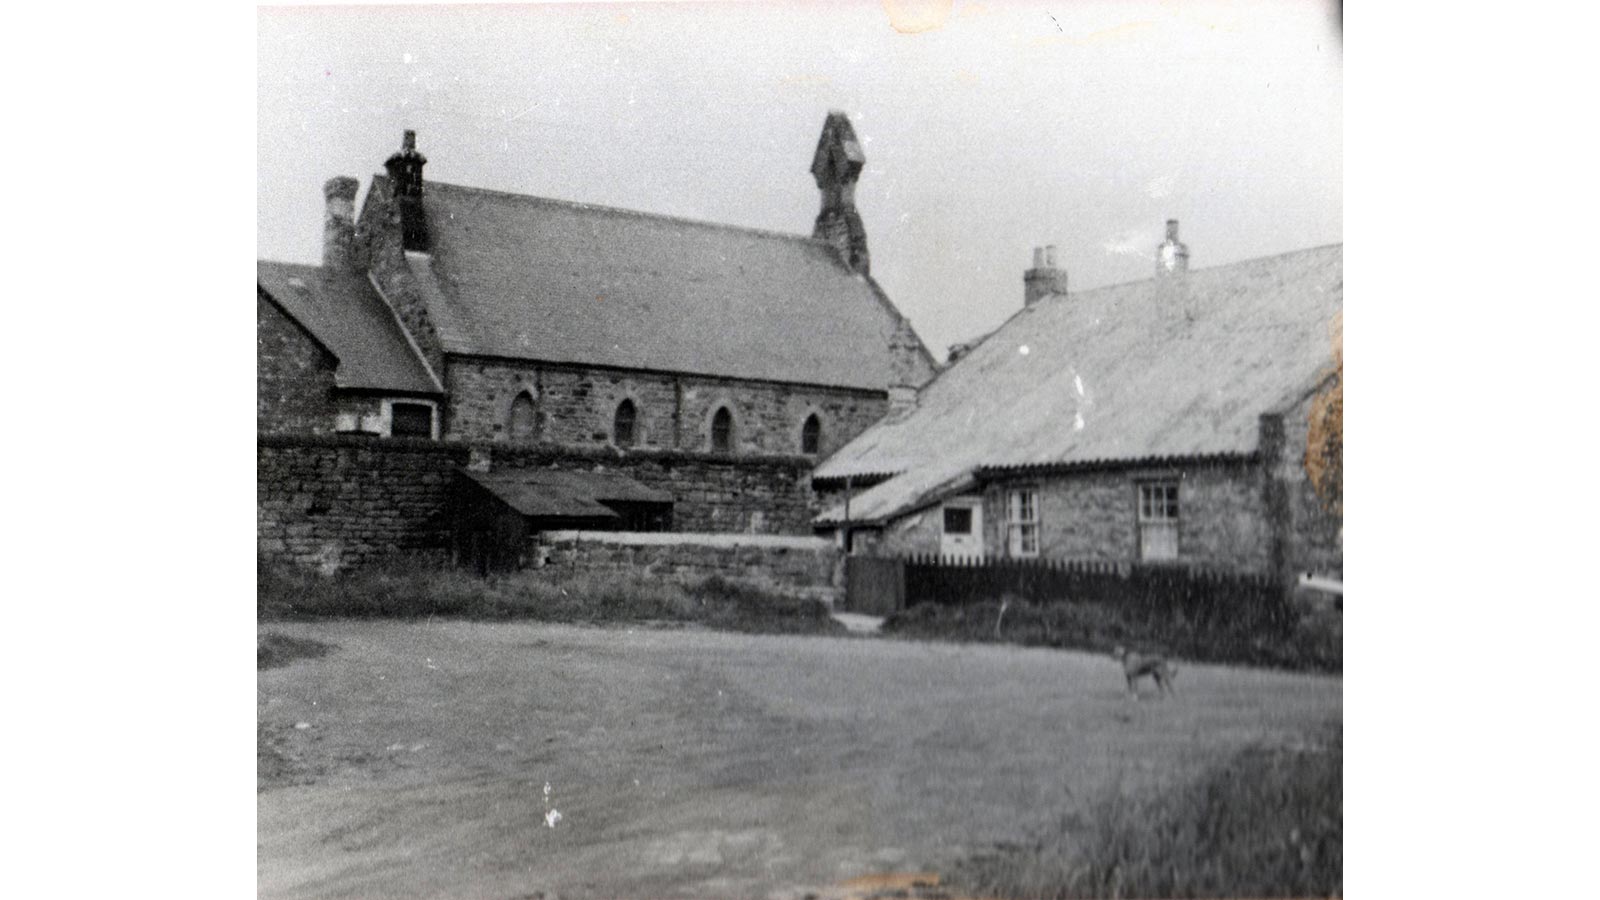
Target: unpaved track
<point x="689" y="763"/>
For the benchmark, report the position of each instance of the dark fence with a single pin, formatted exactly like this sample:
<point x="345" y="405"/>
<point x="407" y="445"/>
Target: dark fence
<point x="1200" y="598"/>
<point x="876" y="587"/>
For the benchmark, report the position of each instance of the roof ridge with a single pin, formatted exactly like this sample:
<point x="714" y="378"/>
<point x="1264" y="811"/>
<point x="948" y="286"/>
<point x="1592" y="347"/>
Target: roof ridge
<point x="1193" y="272"/>
<point x="635" y="213"/>
<point x="1123" y="284"/>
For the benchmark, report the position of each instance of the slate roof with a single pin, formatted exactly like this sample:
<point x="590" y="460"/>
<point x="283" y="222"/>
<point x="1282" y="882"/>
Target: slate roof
<point x="561" y="494"/>
<point x="1150" y="370"/>
<point x="530" y="278"/>
<point x="348" y="317"/>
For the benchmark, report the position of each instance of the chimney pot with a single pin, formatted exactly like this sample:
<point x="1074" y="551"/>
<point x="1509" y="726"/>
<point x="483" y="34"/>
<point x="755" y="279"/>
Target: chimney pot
<point x="1172" y="257"/>
<point x="1044" y="278"/>
<point x="405" y="177"/>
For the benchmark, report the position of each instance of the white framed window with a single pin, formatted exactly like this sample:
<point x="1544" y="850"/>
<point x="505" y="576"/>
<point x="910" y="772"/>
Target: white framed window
<point x="1022" y="522"/>
<point x="961" y="528"/>
<point x="1158" y="520"/>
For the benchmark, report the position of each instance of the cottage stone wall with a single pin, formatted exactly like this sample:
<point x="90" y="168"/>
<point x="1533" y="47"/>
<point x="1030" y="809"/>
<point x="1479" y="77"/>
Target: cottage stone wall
<point x="799" y="566"/>
<point x="294" y="376"/>
<point x="918" y="534"/>
<point x="1094" y="515"/>
<point x="577" y="406"/>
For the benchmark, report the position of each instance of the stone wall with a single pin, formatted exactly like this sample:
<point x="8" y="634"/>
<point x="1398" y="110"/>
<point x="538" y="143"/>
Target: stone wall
<point x="294" y="376"/>
<point x="800" y="566"/>
<point x="711" y="492"/>
<point x="333" y="501"/>
<point x="577" y="405"/>
<point x="337" y="501"/>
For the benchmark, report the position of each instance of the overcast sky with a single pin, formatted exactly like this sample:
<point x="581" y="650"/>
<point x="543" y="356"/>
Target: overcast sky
<point x="1005" y="126"/>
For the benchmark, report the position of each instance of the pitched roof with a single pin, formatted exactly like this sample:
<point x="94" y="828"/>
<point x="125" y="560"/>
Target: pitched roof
<point x="564" y="494"/>
<point x="530" y="278"/>
<point x="1147" y="370"/>
<point x="346" y="315"/>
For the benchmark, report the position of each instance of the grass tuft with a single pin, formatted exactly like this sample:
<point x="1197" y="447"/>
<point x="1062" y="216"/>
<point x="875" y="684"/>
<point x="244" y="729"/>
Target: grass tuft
<point x="1268" y="823"/>
<point x="276" y="650"/>
<point x="1098" y="627"/>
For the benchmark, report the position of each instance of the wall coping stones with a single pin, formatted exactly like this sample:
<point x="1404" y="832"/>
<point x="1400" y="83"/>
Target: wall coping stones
<point x="695" y="539"/>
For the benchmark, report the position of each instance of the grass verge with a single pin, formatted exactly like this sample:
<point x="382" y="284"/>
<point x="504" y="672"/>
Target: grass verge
<point x="1268" y="823"/>
<point x="405" y="592"/>
<point x="1315" y="646"/>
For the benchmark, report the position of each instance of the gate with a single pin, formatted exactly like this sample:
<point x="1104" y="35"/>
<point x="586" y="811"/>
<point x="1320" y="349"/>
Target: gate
<point x="874" y="587"/>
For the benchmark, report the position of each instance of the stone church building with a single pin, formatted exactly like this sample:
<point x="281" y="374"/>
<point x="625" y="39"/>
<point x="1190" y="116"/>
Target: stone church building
<point x="468" y="315"/>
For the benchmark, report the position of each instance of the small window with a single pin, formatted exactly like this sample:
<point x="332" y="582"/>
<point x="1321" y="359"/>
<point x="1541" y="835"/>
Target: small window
<point x="957" y="520"/>
<point x="622" y="430"/>
<point x="722" y="431"/>
<point x="411" y="420"/>
<point x="811" y="435"/>
<point x="523" y="424"/>
<point x="1022" y="522"/>
<point x="1158" y="520"/>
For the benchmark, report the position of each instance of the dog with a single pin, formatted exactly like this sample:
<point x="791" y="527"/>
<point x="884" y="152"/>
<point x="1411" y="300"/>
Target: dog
<point x="1138" y="665"/>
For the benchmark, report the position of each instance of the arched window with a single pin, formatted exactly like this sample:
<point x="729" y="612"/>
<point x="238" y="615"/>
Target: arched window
<point x="811" y="435"/>
<point x="722" y="431"/>
<point x="523" y="425"/>
<point x="623" y="427"/>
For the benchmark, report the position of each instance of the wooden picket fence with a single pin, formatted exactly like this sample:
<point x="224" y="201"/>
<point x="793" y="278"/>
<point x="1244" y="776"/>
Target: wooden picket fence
<point x="1202" y="598"/>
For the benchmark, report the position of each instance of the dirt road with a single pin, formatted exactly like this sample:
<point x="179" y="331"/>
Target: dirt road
<point x="433" y="758"/>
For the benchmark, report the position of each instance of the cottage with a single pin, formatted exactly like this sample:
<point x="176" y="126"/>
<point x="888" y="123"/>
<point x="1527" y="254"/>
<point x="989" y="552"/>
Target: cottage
<point x="1160" y="421"/>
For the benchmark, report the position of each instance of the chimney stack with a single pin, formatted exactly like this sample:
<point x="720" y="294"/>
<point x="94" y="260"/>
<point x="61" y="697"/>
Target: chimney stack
<point x="339" y="224"/>
<point x="405" y="177"/>
<point x="1172" y="257"/>
<point x="836" y="166"/>
<point x="1044" y="278"/>
<point x="902" y="401"/>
